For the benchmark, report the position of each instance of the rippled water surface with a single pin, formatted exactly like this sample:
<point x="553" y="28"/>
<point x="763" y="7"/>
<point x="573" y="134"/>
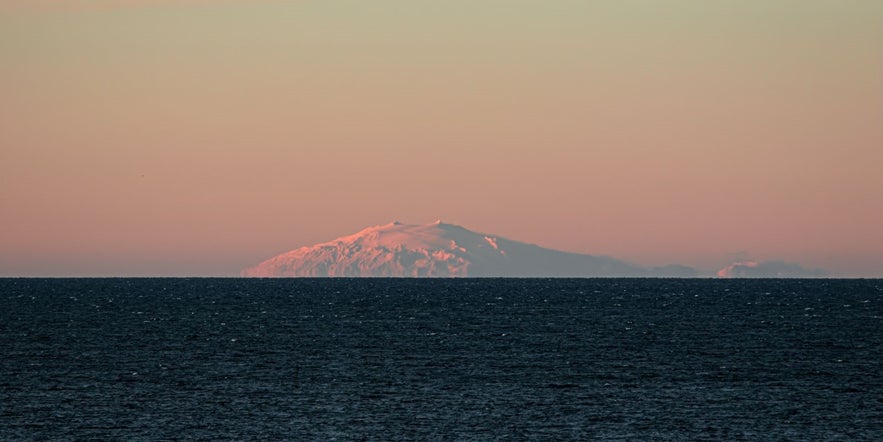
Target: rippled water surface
<point x="440" y="359"/>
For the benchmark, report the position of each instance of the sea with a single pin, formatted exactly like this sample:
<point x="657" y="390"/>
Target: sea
<point x="185" y="359"/>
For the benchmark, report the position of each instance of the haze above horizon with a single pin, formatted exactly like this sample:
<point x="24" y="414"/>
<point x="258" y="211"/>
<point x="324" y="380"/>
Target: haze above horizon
<point x="151" y="137"/>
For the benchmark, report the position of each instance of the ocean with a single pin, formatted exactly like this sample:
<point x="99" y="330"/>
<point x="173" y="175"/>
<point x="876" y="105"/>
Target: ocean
<point x="440" y="359"/>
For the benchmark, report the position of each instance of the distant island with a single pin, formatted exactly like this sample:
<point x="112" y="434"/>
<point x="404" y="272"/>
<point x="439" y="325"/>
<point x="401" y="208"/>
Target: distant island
<point x="444" y="250"/>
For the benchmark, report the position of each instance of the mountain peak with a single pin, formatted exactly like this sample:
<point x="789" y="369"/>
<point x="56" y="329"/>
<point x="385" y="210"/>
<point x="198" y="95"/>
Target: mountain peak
<point x="435" y="249"/>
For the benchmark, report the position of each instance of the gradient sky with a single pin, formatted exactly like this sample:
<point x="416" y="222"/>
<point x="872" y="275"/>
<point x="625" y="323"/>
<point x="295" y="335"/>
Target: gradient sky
<point x="199" y="137"/>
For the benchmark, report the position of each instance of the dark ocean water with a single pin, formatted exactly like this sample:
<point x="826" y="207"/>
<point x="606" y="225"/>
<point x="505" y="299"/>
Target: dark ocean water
<point x="441" y="359"/>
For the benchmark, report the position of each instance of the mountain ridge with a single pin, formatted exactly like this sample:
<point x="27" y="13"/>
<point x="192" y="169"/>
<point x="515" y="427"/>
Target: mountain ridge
<point x="437" y="249"/>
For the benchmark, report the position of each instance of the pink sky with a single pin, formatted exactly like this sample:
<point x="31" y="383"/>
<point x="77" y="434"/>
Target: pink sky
<point x="198" y="138"/>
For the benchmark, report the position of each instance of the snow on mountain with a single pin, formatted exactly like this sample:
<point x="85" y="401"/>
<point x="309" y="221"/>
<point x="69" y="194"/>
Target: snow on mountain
<point x="767" y="269"/>
<point x="434" y="250"/>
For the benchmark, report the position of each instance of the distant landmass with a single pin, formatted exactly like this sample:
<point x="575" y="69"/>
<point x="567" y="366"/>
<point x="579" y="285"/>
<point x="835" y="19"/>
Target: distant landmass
<point x="444" y="250"/>
<point x="768" y="269"/>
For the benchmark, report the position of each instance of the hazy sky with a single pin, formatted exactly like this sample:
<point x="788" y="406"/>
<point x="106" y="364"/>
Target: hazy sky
<point x="199" y="137"/>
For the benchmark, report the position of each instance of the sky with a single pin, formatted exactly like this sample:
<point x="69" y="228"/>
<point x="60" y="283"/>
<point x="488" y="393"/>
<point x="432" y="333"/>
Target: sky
<point x="188" y="137"/>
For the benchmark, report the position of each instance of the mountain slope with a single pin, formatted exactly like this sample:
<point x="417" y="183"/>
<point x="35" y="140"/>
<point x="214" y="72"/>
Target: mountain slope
<point x="434" y="250"/>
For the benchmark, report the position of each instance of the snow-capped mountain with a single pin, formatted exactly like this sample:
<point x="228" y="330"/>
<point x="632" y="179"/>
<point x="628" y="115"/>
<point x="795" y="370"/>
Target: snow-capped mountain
<point x="434" y="250"/>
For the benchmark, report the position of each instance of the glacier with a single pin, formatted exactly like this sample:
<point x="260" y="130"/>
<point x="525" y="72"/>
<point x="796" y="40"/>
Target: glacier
<point x="437" y="249"/>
